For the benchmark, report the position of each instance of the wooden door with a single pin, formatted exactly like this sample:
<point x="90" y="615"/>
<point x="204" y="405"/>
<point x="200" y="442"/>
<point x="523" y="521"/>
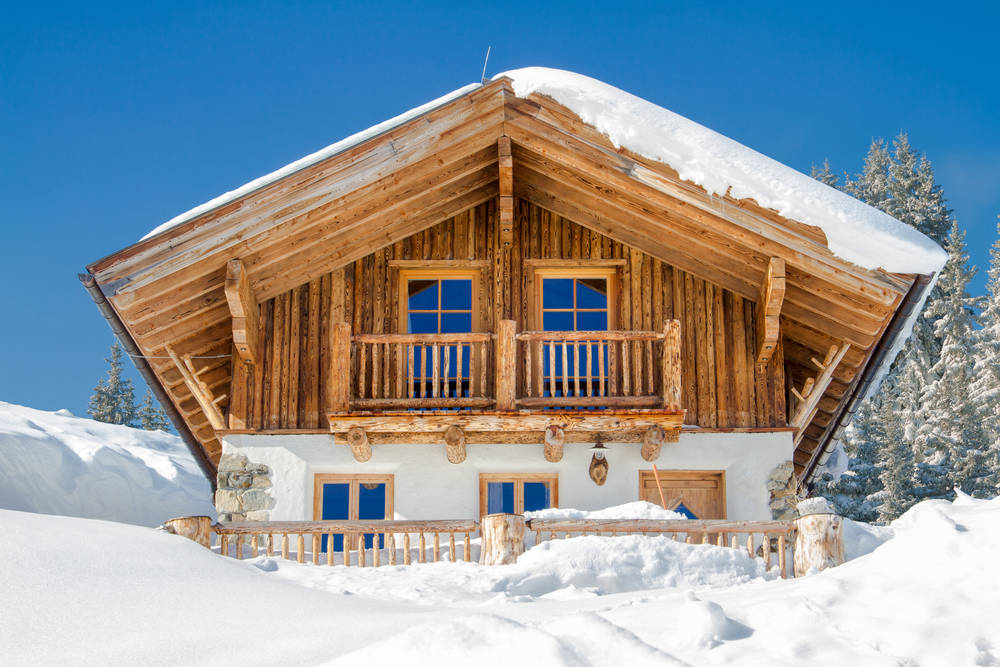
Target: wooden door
<point x="702" y="493"/>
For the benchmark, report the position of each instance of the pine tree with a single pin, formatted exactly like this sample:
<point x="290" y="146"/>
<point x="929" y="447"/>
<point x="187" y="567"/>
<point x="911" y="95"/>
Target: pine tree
<point x="825" y="174"/>
<point x="151" y="416"/>
<point x="985" y="389"/>
<point x="855" y="494"/>
<point x="113" y="400"/>
<point x="951" y="436"/>
<point x="896" y="475"/>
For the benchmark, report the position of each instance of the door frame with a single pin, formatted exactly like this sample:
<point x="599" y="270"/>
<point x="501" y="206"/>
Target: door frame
<point x="688" y="474"/>
<point x="354" y="480"/>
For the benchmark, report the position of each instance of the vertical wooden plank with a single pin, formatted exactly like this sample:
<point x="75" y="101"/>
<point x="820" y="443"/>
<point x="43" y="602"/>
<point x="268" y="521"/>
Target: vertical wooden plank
<point x="277" y="347"/>
<point x="294" y="346"/>
<point x="238" y="391"/>
<point x="778" y="389"/>
<point x="689" y="343"/>
<point x="741" y="374"/>
<point x="325" y="316"/>
<point x="312" y="357"/>
<point x="708" y="343"/>
<point x="504" y="369"/>
<point x="705" y="408"/>
<point x="671" y="365"/>
<point x="339" y="378"/>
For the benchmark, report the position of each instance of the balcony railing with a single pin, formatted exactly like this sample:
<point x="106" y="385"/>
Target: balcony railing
<point x="507" y="370"/>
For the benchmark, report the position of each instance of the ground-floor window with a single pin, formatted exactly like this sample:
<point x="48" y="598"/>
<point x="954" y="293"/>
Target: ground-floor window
<point x="697" y="494"/>
<point x="352" y="497"/>
<point x="517" y="493"/>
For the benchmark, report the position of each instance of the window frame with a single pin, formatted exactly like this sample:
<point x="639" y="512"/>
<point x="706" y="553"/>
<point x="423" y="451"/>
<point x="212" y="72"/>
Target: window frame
<point x="431" y="272"/>
<point x="518" y="478"/>
<point x="354" y="480"/>
<point x="540" y="273"/>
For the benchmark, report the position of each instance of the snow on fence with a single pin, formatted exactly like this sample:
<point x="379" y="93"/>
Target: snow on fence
<point x="813" y="542"/>
<point x="363" y="538"/>
<point x="765" y="536"/>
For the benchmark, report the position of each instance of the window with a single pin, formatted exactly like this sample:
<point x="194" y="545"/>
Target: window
<point x="575" y="298"/>
<point x="439" y="300"/>
<point x="517" y="493"/>
<point x="352" y="497"/>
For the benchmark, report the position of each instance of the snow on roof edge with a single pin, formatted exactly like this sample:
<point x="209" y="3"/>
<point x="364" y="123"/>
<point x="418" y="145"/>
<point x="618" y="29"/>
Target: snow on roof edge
<point x="855" y="231"/>
<point x="311" y="159"/>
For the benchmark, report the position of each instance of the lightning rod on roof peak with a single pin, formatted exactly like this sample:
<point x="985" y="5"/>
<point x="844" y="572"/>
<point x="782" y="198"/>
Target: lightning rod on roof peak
<point x="483" y="77"/>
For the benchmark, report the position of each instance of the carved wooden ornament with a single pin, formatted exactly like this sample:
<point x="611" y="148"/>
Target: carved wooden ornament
<point x="598" y="470"/>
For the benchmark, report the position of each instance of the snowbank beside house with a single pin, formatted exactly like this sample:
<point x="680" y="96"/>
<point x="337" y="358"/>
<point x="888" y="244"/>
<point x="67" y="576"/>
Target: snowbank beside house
<point x="55" y="463"/>
<point x="639" y="509"/>
<point x="115" y="594"/>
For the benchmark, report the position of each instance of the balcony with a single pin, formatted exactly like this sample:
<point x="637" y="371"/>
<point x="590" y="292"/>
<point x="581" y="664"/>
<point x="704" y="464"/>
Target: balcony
<point x="507" y="381"/>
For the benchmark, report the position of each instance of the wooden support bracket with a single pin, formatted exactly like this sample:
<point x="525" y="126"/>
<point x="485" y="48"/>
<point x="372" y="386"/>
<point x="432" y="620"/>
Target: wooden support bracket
<point x="652" y="442"/>
<point x="506" y="192"/>
<point x="772" y="294"/>
<point x="199" y="390"/>
<point x="243" y="309"/>
<point x="555" y="437"/>
<point x="814" y="388"/>
<point x="454" y="444"/>
<point x="358" y="440"/>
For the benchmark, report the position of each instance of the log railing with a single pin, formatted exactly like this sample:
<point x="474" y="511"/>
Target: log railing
<point x="579" y="369"/>
<point x="421" y="371"/>
<point x="770" y="538"/>
<point x="505" y="370"/>
<point x="360" y="543"/>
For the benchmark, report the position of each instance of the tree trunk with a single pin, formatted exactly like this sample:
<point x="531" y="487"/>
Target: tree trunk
<point x="503" y="538"/>
<point x="819" y="543"/>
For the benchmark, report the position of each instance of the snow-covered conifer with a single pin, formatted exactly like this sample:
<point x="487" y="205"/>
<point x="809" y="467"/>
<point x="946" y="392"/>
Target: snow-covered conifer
<point x="113" y="400"/>
<point x="151" y="415"/>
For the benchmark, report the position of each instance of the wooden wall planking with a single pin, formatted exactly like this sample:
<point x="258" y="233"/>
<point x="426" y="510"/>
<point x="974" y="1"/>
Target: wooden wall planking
<point x="722" y="386"/>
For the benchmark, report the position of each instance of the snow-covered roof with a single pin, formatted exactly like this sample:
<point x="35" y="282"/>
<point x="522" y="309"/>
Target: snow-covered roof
<point x="855" y="231"/>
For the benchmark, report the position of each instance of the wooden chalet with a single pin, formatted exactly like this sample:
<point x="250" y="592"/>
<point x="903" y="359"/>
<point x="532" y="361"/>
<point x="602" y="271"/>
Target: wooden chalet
<point x="485" y="290"/>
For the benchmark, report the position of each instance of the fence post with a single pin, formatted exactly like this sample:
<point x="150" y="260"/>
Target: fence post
<point x="505" y="369"/>
<point x="671" y="365"/>
<point x="819" y="542"/>
<point x="503" y="538"/>
<point x="196" y="528"/>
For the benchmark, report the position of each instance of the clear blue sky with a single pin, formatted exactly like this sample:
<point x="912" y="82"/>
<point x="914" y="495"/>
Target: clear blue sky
<point x="114" y="119"/>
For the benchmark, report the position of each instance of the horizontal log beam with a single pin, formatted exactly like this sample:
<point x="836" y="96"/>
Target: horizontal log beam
<point x="523" y="420"/>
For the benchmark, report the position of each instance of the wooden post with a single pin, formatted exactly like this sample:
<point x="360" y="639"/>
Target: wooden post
<point x="360" y="446"/>
<point x="454" y="444"/>
<point x="652" y="442"/>
<point x="503" y="538"/>
<point x="819" y="543"/>
<point x="554" y="439"/>
<point x="244" y="311"/>
<point x="339" y="380"/>
<point x="671" y="365"/>
<point x="505" y="370"/>
<point x="195" y="528"/>
<point x="772" y="294"/>
<point x="506" y="166"/>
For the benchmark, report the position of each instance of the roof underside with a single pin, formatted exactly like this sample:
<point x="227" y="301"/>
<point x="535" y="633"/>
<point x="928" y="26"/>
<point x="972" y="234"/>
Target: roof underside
<point x="168" y="289"/>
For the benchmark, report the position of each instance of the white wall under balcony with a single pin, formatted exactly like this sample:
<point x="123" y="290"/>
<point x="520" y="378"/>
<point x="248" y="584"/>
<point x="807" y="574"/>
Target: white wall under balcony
<point x="427" y="486"/>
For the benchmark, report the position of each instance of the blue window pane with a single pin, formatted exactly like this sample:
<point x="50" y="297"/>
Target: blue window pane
<point x="336" y="505"/>
<point x="557" y="321"/>
<point x="456" y="294"/>
<point x="500" y="497"/>
<point x="423" y="323"/>
<point x="592" y="293"/>
<point x="557" y="293"/>
<point x="371" y="505"/>
<point x="423" y="295"/>
<point x="592" y="321"/>
<point x="536" y="496"/>
<point x="456" y="322"/>
<point x="683" y="509"/>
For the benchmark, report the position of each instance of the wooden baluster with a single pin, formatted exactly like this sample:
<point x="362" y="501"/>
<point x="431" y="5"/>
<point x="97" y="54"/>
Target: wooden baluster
<point x="613" y="370"/>
<point x="445" y="390"/>
<point x="602" y="346"/>
<point x="435" y="371"/>
<point x="459" y="375"/>
<point x="270" y="544"/>
<point x="781" y="556"/>
<point x="483" y="356"/>
<point x="688" y="539"/>
<point x="590" y="362"/>
<point x="406" y="548"/>
<point x="390" y="545"/>
<point x="552" y="536"/>
<point x="451" y="546"/>
<point x="361" y="550"/>
<point x="733" y="542"/>
<point x="467" y="548"/>
<point x="376" y="550"/>
<point x="650" y="388"/>
<point x="409" y="372"/>
<point x="437" y="547"/>
<point x="552" y="367"/>
<point x="223" y="544"/>
<point x="529" y="384"/>
<point x="254" y="545"/>
<point x="536" y="345"/>
<point x="636" y="367"/>
<point x="329" y="549"/>
<point x="284" y="546"/>
<point x="376" y="370"/>
<point x="565" y="370"/>
<point x="300" y="549"/>
<point x="720" y="541"/>
<point x="386" y="366"/>
<point x="398" y="353"/>
<point x="239" y="547"/>
<point x="626" y="369"/>
<point x="422" y="545"/>
<point x="576" y="368"/>
<point x="316" y="547"/>
<point x="362" y="368"/>
<point x="345" y="540"/>
<point x="766" y="545"/>
<point x="423" y="370"/>
<point x="750" y="545"/>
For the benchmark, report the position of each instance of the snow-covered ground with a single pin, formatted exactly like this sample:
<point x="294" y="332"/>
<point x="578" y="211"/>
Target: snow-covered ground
<point x="91" y="592"/>
<point x="55" y="463"/>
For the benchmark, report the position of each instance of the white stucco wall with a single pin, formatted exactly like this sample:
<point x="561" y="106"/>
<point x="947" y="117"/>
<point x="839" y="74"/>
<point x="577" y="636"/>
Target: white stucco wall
<point x="427" y="486"/>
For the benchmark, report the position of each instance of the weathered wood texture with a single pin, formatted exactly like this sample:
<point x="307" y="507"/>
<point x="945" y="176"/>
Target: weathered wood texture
<point x="819" y="543"/>
<point x="721" y="385"/>
<point x="503" y="538"/>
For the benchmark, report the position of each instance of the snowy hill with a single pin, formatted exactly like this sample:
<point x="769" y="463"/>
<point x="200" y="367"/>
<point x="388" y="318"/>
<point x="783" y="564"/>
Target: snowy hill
<point x="55" y="463"/>
<point x="116" y="595"/>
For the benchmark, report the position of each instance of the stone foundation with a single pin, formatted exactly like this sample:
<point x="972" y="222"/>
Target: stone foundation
<point x="782" y="487"/>
<point x="243" y="489"/>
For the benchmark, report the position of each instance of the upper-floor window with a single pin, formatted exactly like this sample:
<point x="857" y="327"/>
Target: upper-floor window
<point x="438" y="301"/>
<point x="577" y="299"/>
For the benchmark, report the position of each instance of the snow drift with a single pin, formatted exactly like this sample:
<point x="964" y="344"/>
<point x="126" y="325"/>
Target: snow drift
<point x="55" y="463"/>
